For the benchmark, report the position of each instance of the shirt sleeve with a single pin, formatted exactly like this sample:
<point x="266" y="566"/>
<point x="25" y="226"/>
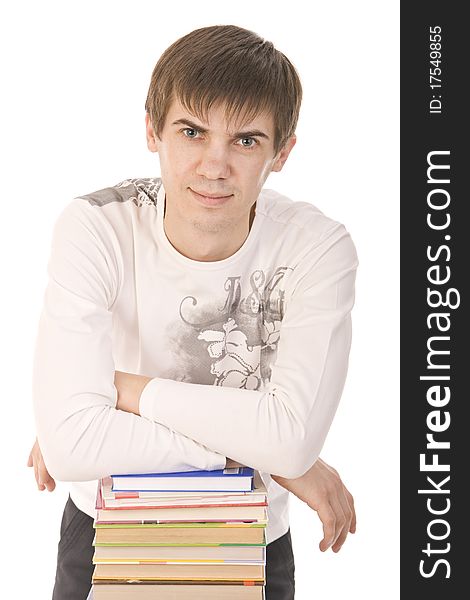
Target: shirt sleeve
<point x="281" y="429"/>
<point x="81" y="433"/>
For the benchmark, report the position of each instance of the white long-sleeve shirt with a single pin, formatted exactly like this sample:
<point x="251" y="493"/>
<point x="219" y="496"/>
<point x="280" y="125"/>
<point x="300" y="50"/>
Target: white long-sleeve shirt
<point x="248" y="354"/>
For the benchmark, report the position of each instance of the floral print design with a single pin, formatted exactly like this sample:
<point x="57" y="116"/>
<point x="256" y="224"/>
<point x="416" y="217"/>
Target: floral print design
<point x="237" y="364"/>
<point x="271" y="333"/>
<point x="145" y="190"/>
<point x="141" y="192"/>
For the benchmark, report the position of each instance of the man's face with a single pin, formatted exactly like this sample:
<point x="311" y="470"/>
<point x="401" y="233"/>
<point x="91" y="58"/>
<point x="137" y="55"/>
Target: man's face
<point x="213" y="171"/>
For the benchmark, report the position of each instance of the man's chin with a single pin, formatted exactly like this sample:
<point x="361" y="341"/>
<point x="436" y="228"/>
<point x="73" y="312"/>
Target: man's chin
<point x="212" y="224"/>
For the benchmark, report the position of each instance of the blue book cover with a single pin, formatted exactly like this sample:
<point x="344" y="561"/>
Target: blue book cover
<point x="232" y="479"/>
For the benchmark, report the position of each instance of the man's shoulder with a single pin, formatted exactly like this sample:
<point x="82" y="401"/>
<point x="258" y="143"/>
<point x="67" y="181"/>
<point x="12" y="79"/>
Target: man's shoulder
<point x="106" y="214"/>
<point x="302" y="231"/>
<point x="140" y="191"/>
<point x="298" y="216"/>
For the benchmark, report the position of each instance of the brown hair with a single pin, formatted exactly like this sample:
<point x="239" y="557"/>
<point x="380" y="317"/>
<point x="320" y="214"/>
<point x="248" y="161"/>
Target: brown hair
<point x="229" y="65"/>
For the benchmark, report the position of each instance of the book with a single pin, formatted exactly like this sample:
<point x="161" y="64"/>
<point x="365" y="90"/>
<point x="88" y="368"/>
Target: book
<point x="190" y="534"/>
<point x="176" y="543"/>
<point x="180" y="554"/>
<point x="237" y="574"/>
<point x="180" y="591"/>
<point x="233" y="479"/>
<point x="208" y="514"/>
<point x="109" y="499"/>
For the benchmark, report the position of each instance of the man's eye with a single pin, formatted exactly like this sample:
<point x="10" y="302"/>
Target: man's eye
<point x="248" y="142"/>
<point x="190" y="132"/>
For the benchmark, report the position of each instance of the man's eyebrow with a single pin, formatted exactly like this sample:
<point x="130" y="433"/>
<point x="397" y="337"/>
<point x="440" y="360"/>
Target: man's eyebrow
<point x="251" y="133"/>
<point x="189" y="123"/>
<point x="237" y="134"/>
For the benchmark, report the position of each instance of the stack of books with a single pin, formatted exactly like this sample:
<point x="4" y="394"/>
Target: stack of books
<point x="194" y="535"/>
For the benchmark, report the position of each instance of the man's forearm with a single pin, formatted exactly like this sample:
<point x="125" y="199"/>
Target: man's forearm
<point x="262" y="449"/>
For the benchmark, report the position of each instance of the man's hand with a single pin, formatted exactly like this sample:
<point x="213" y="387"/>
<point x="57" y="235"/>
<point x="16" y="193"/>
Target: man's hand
<point x="129" y="387"/>
<point x="231" y="464"/>
<point x="43" y="479"/>
<point x="322" y="489"/>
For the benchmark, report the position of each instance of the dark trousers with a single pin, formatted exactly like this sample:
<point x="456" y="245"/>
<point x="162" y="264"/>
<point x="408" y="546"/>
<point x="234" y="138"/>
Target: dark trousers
<point x="75" y="553"/>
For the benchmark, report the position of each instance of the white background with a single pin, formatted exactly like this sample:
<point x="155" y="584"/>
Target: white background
<point x="74" y="80"/>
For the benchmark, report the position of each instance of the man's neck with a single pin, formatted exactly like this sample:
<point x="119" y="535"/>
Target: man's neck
<point x="206" y="246"/>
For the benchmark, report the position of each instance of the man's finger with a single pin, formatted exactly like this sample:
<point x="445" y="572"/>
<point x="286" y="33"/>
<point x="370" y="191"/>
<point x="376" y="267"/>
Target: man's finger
<point x="49" y="482"/>
<point x="348" y="515"/>
<point x="350" y="511"/>
<point x="328" y="518"/>
<point x="342" y="512"/>
<point x="352" y="527"/>
<point x="37" y="476"/>
<point x="45" y="477"/>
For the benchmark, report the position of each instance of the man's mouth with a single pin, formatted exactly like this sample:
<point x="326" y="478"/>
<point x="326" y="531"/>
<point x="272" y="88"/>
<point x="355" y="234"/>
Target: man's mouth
<point x="210" y="199"/>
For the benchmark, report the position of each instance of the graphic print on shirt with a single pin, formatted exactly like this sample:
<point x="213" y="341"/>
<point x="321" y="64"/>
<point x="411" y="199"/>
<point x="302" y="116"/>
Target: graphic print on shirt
<point x="146" y="190"/>
<point x="141" y="191"/>
<point x="233" y="344"/>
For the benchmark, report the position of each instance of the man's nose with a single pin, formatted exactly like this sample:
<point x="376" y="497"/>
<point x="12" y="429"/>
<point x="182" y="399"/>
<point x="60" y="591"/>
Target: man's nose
<point x="214" y="161"/>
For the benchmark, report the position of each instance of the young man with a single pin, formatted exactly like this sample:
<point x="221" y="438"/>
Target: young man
<point x="198" y="316"/>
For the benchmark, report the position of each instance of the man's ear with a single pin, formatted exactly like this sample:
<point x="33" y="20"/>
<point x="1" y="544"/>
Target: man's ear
<point x="284" y="153"/>
<point x="150" y="134"/>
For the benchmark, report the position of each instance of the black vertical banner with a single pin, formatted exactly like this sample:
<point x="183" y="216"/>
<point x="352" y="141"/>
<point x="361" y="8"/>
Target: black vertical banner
<point x="435" y="269"/>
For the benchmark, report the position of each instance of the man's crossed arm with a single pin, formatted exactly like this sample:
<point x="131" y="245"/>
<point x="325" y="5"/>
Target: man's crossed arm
<point x="320" y="487"/>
